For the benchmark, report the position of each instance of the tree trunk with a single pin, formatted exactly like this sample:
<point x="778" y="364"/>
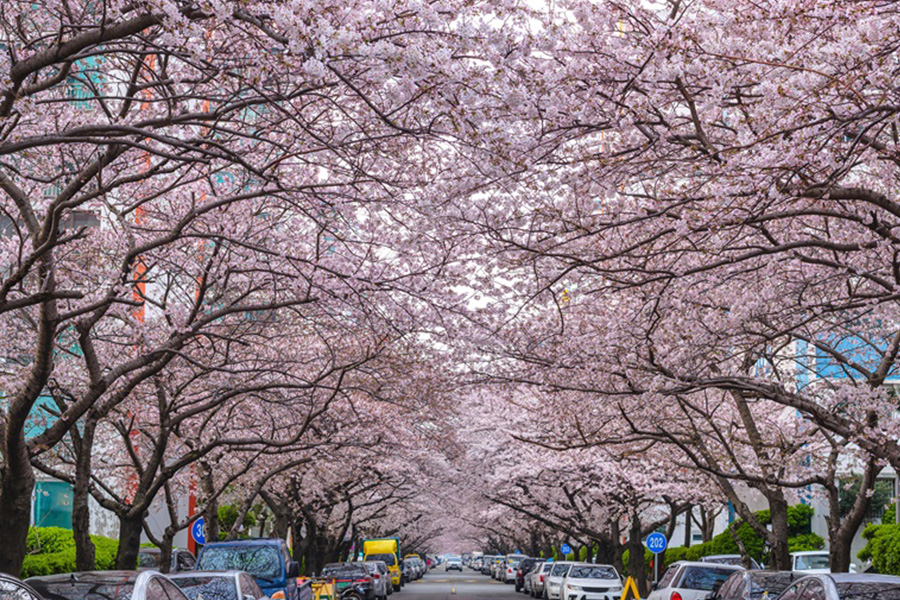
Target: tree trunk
<point x="16" y="488"/>
<point x="842" y="531"/>
<point x="130" y="528"/>
<point x="688" y="523"/>
<point x="85" y="553"/>
<point x="165" y="550"/>
<point x="211" y="513"/>
<point x="636" y="565"/>
<point x="780" y="553"/>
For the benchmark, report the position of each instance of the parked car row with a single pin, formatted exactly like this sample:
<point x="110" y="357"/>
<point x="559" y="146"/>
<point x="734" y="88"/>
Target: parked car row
<point x="250" y="569"/>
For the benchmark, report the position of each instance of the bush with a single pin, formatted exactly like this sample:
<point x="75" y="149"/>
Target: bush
<point x="228" y="514"/>
<point x="52" y="550"/>
<point x="804" y="542"/>
<point x="882" y="548"/>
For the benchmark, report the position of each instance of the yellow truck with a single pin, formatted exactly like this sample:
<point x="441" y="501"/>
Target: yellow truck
<point x="387" y="550"/>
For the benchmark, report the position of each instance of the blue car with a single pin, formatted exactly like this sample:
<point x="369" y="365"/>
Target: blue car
<point x="268" y="560"/>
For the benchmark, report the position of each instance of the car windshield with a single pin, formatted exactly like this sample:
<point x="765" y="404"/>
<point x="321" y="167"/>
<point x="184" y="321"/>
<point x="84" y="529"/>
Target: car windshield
<point x="812" y="561"/>
<point x="73" y="590"/>
<point x="514" y="560"/>
<point x="703" y="578"/>
<point x="559" y="570"/>
<point x="593" y="572"/>
<point x="389" y="559"/>
<point x="148" y="560"/>
<point x="207" y="587"/>
<point x="343" y="571"/>
<point x="869" y="590"/>
<point x="260" y="561"/>
<point x="770" y="584"/>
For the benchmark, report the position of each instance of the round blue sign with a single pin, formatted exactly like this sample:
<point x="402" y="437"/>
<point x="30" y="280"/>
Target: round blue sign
<point x="198" y="531"/>
<point x="656" y="543"/>
<point x="565" y="549"/>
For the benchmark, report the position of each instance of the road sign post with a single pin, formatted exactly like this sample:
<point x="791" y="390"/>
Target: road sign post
<point x="656" y="543"/>
<point x="198" y="531"/>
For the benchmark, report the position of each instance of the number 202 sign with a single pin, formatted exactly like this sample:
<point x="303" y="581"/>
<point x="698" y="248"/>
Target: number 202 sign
<point x="656" y="543"/>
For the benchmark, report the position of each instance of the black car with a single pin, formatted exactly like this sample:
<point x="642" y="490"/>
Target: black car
<point x="350" y="575"/>
<point x="182" y="560"/>
<point x="755" y="585"/>
<point x="525" y="567"/>
<point x="14" y="589"/>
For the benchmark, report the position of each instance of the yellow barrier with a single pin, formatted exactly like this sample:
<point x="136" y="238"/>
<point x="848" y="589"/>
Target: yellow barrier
<point x="323" y="589"/>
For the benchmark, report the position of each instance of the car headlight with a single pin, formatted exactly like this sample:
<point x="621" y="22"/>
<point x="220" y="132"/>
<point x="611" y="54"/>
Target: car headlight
<point x="575" y="588"/>
<point x="615" y="589"/>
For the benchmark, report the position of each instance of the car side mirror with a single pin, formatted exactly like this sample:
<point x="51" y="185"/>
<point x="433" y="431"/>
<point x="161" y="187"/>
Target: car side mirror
<point x="293" y="569"/>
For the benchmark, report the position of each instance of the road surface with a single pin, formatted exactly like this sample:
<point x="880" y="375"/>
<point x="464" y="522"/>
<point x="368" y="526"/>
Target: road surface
<point x="468" y="585"/>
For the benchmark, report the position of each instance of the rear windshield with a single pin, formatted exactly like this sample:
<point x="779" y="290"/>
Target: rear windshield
<point x="67" y="590"/>
<point x="593" y="572"/>
<point x="148" y="560"/>
<point x="389" y="559"/>
<point x="812" y="561"/>
<point x="770" y="584"/>
<point x="559" y="570"/>
<point x="207" y="588"/>
<point x="703" y="578"/>
<point x="874" y="590"/>
<point x="344" y="571"/>
<point x="260" y="561"/>
<point x="514" y="560"/>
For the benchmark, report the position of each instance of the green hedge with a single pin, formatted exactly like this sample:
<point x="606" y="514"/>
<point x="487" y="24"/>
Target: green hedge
<point x="51" y="550"/>
<point x="882" y="548"/>
<point x="799" y="518"/>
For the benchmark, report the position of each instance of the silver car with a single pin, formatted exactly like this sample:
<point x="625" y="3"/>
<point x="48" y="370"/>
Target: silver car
<point x="381" y="579"/>
<point x="13" y="588"/>
<point x="110" y="585"/>
<point x="534" y="581"/>
<point x="586" y="581"/>
<point x="691" y="580"/>
<point x="553" y="581"/>
<point x="843" y="586"/>
<point x="221" y="585"/>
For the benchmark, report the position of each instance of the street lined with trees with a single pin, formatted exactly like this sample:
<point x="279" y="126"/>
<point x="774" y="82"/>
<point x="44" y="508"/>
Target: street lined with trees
<point x="496" y="275"/>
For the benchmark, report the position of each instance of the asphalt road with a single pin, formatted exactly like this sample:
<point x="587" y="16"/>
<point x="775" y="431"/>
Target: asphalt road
<point x="468" y="585"/>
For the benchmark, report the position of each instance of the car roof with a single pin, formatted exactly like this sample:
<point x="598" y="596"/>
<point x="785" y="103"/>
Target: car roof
<point x="809" y="552"/>
<point x="184" y="574"/>
<point x="863" y="578"/>
<point x="89" y="577"/>
<point x="247" y="542"/>
<point x="706" y="565"/>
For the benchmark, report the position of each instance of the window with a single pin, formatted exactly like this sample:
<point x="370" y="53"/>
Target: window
<point x="732" y="587"/>
<point x="10" y="590"/>
<point x="666" y="580"/>
<point x="186" y="561"/>
<point x="249" y="587"/>
<point x="869" y="590"/>
<point x="259" y="561"/>
<point x="814" y="590"/>
<point x="155" y="590"/>
<point x="559" y="570"/>
<point x="207" y="587"/>
<point x="703" y="578"/>
<point x="791" y="593"/>
<point x="596" y="572"/>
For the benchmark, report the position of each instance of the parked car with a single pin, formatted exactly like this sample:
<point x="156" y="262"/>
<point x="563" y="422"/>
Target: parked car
<point x="266" y="559"/>
<point x="843" y="586"/>
<point x="525" y="567"/>
<point x="218" y="585"/>
<point x="754" y="585"/>
<point x="454" y="563"/>
<point x="499" y="564"/>
<point x="586" y="581"/>
<point x="729" y="559"/>
<point x="534" y="581"/>
<point x="487" y="564"/>
<point x="106" y="585"/>
<point x="13" y="588"/>
<point x="691" y="580"/>
<point x="553" y="580"/>
<point x="510" y="568"/>
<point x="381" y="579"/>
<point x="812" y="562"/>
<point x="350" y="574"/>
<point x="476" y="564"/>
<point x="182" y="560"/>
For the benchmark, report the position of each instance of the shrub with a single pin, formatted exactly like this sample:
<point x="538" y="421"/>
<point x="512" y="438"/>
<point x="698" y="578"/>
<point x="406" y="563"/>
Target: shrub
<point x="804" y="542"/>
<point x="52" y="550"/>
<point x="882" y="548"/>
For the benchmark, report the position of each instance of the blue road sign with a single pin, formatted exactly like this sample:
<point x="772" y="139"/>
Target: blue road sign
<point x="198" y="531"/>
<point x="656" y="543"/>
<point x="565" y="549"/>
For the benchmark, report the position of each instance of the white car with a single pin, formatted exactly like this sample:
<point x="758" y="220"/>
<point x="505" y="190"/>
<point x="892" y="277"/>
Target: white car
<point x="553" y="580"/>
<point x="381" y="578"/>
<point x="587" y="581"/>
<point x="691" y="580"/>
<point x="813" y="562"/>
<point x="509" y="568"/>
<point x="454" y="563"/>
